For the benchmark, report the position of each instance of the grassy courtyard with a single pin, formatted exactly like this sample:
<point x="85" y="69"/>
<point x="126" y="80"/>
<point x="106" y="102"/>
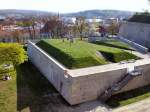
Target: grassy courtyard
<point x="82" y="54"/>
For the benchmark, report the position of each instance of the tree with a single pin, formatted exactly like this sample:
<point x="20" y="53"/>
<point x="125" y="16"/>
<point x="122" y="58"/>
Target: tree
<point x="30" y="25"/>
<point x="16" y="35"/>
<point x="113" y="28"/>
<point x="12" y="53"/>
<point x="74" y="30"/>
<point x="33" y="26"/>
<point x="81" y="26"/>
<point x="55" y="27"/>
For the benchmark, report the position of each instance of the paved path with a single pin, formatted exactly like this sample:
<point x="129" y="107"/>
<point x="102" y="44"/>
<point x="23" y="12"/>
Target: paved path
<point x="141" y="106"/>
<point x="141" y="55"/>
<point x="96" y="106"/>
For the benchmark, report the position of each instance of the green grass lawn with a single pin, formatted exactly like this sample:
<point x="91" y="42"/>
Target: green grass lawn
<point x="82" y="54"/>
<point x="8" y="95"/>
<point x="24" y="93"/>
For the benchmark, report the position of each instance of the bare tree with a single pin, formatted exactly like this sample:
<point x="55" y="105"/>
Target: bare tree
<point x="32" y="23"/>
<point x="16" y="35"/>
<point x="81" y="26"/>
<point x="55" y="27"/>
<point x="113" y="28"/>
<point x="27" y="24"/>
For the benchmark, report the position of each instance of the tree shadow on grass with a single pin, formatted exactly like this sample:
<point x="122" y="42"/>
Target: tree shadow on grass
<point x="31" y="85"/>
<point x="129" y="97"/>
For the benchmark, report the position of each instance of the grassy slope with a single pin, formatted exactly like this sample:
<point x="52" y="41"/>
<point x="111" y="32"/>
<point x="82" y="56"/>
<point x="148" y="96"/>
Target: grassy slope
<point x="80" y="54"/>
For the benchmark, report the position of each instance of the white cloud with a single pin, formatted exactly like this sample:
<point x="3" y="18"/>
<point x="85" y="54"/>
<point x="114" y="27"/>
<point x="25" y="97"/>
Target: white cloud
<point x="75" y="5"/>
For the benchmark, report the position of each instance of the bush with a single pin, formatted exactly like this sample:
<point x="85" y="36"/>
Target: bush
<point x="13" y="53"/>
<point x="118" y="56"/>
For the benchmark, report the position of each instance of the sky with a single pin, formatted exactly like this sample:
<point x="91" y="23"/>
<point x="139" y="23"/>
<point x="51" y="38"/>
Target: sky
<point x="67" y="6"/>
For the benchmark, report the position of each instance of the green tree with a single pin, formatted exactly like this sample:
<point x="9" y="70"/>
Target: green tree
<point x="12" y="53"/>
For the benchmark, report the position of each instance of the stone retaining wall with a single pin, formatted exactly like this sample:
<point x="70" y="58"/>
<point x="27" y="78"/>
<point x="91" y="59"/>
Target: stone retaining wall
<point x="138" y="47"/>
<point x="86" y="84"/>
<point x="137" y="32"/>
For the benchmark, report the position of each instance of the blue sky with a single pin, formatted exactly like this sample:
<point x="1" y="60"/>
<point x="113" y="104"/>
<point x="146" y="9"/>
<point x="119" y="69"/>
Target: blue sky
<point x="65" y="6"/>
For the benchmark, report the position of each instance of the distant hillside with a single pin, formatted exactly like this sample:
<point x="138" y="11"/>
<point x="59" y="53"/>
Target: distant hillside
<point x="87" y="14"/>
<point x="24" y="13"/>
<point x="102" y="14"/>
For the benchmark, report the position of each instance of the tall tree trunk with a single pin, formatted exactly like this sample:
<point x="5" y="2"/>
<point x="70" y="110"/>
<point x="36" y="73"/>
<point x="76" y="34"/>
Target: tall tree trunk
<point x="30" y="33"/>
<point x="33" y="31"/>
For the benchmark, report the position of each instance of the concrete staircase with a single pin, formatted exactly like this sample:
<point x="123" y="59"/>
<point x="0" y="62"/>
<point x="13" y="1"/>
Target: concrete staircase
<point x="120" y="84"/>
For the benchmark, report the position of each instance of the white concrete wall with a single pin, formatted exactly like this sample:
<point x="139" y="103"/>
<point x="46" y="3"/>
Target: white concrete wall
<point x="51" y="69"/>
<point x="137" y="32"/>
<point x="86" y="84"/>
<point x="137" y="46"/>
<point x="89" y="87"/>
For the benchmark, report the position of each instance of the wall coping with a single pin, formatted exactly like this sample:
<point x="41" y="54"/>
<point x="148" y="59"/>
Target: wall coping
<point x="106" y="68"/>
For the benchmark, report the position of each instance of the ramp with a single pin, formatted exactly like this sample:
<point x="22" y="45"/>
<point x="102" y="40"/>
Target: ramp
<point x="120" y="84"/>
